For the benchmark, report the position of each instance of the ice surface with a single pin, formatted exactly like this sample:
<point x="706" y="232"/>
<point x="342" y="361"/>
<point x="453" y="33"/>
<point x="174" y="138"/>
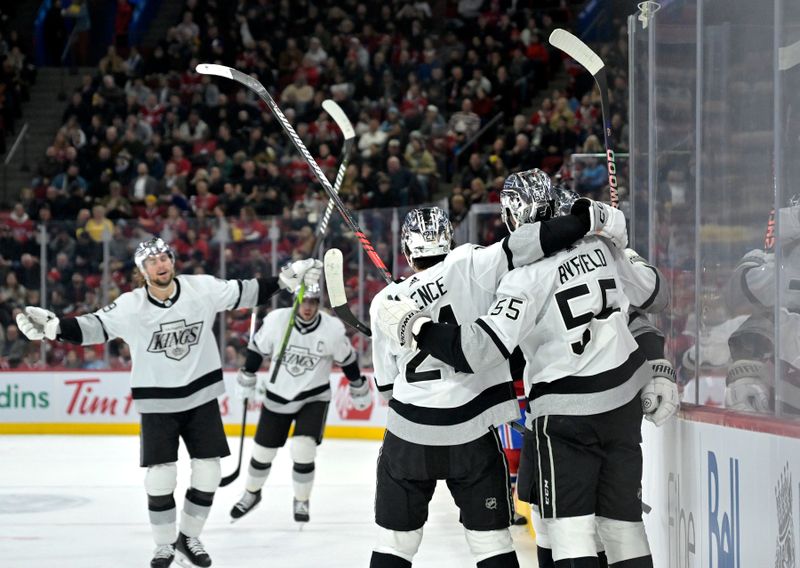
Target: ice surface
<point x="79" y="501"/>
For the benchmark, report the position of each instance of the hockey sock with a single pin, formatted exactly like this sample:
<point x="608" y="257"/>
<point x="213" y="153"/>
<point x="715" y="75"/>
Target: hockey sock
<point x="257" y="474"/>
<point x="601" y="557"/>
<point x="260" y="466"/>
<point x="505" y="560"/>
<point x="383" y="560"/>
<point x="303" y="478"/>
<point x="163" y="513"/>
<point x="196" y="507"/>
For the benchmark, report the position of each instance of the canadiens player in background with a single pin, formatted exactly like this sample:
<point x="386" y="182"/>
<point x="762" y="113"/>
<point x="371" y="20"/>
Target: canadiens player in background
<point x="442" y="423"/>
<point x="583" y="377"/>
<point x="301" y="394"/>
<point x="176" y="377"/>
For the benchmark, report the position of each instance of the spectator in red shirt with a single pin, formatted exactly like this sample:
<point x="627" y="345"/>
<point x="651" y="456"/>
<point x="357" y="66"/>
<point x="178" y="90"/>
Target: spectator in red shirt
<point x="183" y="165"/>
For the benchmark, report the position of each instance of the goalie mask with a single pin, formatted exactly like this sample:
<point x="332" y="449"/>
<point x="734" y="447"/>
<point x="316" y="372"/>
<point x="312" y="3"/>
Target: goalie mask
<point x="527" y="197"/>
<point x="148" y="248"/>
<point x="564" y="200"/>
<point x="426" y="232"/>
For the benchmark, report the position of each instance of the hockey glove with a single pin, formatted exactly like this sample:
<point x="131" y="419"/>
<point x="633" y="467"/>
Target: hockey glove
<point x="245" y="385"/>
<point x="660" y="396"/>
<point x="399" y="319"/>
<point x="604" y="220"/>
<point x="747" y="389"/>
<point x="293" y="274"/>
<point x="360" y="393"/>
<point x="37" y="323"/>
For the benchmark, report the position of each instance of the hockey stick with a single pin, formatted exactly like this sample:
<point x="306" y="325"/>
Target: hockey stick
<point x="341" y="119"/>
<point x="255" y="86"/>
<point x="583" y="54"/>
<point x="334" y="280"/>
<point x="228" y="479"/>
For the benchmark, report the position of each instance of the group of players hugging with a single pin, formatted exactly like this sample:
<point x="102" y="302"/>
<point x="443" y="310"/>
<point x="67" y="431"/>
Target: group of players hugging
<point x="559" y="304"/>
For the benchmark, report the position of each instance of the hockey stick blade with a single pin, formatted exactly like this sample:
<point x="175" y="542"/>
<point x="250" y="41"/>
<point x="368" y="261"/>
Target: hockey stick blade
<point x="583" y="54"/>
<point x="577" y="50"/>
<point x="228" y="479"/>
<point x="334" y="279"/>
<point x="340" y="118"/>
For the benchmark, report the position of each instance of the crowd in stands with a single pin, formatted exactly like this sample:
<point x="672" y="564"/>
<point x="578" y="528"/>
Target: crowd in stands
<point x="148" y="146"/>
<point x="17" y="74"/>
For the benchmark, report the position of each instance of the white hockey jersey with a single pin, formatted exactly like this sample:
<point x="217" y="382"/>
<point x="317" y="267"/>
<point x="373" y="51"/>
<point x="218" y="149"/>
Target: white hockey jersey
<point x="431" y="403"/>
<point x="176" y="364"/>
<point x="304" y="375"/>
<point x="568" y="314"/>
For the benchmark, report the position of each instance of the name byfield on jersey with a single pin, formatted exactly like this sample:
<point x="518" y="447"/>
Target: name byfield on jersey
<point x="572" y="328"/>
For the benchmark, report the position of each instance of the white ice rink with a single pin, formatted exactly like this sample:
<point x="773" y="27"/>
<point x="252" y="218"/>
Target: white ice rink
<point x="79" y="502"/>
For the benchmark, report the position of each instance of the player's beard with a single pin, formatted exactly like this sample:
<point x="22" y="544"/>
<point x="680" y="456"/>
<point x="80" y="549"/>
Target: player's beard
<point x="163" y="282"/>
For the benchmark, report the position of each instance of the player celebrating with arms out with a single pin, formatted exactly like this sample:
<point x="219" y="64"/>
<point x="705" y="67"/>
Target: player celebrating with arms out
<point x="176" y="377"/>
<point x="441" y="423"/>
<point x="300" y="393"/>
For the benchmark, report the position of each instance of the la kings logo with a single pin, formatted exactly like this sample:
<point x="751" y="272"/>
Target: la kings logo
<point x="299" y="360"/>
<point x="175" y="339"/>
<point x="784" y="548"/>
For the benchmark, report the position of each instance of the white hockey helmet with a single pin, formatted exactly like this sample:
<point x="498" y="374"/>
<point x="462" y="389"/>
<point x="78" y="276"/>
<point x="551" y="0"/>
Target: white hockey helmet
<point x="426" y="232"/>
<point x="527" y="197"/>
<point x="312" y="291"/>
<point x="151" y="247"/>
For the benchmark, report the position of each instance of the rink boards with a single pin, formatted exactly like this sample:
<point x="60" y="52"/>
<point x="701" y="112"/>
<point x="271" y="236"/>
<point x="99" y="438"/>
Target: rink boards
<point x="99" y="402"/>
<point x="723" y="489"/>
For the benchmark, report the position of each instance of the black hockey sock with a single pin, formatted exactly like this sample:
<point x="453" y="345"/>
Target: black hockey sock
<point x="545" y="557"/>
<point x="159" y="503"/>
<point x="506" y="560"/>
<point x="583" y="562"/>
<point x="641" y="562"/>
<point x="601" y="557"/>
<point x="383" y="560"/>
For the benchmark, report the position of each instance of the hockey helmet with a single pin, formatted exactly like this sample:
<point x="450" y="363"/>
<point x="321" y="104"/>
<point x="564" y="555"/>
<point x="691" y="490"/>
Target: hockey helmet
<point x="427" y="231"/>
<point x="151" y="247"/>
<point x="564" y="200"/>
<point x="527" y="197"/>
<point x="312" y="291"/>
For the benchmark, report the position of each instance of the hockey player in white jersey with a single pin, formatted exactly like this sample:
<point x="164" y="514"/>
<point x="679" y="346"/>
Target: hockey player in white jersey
<point x="659" y="400"/>
<point x="583" y="377"/>
<point x="756" y="357"/>
<point x="300" y="393"/>
<point x="176" y="377"/>
<point x="441" y="424"/>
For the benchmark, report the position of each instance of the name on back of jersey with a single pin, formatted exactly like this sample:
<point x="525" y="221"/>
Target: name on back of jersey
<point x="581" y="264"/>
<point x="429" y="292"/>
<point x="175" y="339"/>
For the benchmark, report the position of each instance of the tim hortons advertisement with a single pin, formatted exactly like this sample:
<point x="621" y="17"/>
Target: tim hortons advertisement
<point x="99" y="397"/>
<point x="721" y="497"/>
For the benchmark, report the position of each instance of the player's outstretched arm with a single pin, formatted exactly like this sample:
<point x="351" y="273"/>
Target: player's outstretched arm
<point x="468" y="348"/>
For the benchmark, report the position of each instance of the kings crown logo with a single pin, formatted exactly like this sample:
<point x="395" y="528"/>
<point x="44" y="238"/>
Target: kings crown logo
<point x="299" y="360"/>
<point x="784" y="548"/>
<point x="175" y="339"/>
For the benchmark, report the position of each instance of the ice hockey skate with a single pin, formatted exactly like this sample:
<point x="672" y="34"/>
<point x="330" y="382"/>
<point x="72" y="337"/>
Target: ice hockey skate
<point x="301" y="511"/>
<point x="247" y="503"/>
<point x="163" y="556"/>
<point x="191" y="552"/>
